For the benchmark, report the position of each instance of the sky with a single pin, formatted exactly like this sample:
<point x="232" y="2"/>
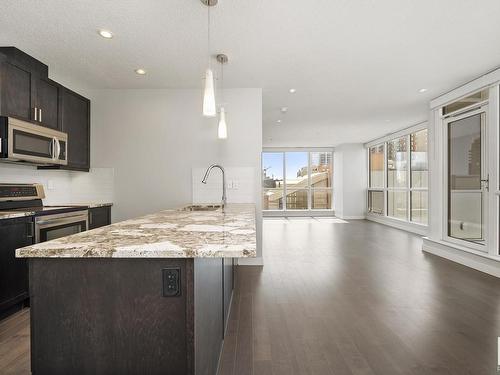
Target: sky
<point x="274" y="160"/>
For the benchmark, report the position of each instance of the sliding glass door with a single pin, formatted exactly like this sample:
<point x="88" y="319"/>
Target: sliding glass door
<point x="467" y="178"/>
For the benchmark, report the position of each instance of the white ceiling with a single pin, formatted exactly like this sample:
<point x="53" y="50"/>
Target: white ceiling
<point x="357" y="65"/>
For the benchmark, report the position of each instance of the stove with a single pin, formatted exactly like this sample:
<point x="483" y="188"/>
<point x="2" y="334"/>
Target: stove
<point x="50" y="222"/>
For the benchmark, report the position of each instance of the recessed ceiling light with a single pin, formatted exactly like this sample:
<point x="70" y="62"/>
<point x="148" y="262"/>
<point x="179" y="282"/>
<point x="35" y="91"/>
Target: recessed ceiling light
<point x="292" y="91"/>
<point x="422" y="90"/>
<point x="140" y="71"/>
<point x="106" y="34"/>
<point x="284" y="109"/>
<point x="278" y="121"/>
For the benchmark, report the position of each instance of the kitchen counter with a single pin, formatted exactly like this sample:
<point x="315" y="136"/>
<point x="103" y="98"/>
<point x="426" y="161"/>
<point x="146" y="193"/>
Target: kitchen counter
<point x="89" y="204"/>
<point x="14" y="214"/>
<point x="149" y="295"/>
<point x="166" y="234"/>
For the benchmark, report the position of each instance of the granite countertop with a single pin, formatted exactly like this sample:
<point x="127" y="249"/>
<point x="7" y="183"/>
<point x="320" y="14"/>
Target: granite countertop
<point x="14" y="214"/>
<point x="166" y="234"/>
<point x="89" y="204"/>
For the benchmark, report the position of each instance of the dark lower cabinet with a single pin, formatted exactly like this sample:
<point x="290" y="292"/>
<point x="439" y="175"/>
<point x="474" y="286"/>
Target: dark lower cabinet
<point x="118" y="316"/>
<point x="228" y="275"/>
<point x="99" y="217"/>
<point x="14" y="233"/>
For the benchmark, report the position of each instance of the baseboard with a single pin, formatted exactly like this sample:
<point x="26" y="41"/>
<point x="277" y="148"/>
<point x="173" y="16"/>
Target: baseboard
<point x="299" y="213"/>
<point x="480" y="262"/>
<point x="258" y="261"/>
<point x="400" y="224"/>
<point x="352" y="217"/>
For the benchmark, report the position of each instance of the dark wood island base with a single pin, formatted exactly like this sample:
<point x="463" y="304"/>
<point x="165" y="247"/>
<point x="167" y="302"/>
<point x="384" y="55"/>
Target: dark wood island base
<point x="125" y="316"/>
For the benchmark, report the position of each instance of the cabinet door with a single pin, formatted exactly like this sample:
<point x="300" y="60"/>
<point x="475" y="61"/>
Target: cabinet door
<point x="14" y="233"/>
<point x="228" y="272"/>
<point x="99" y="217"/>
<point x="16" y="91"/>
<point x="47" y="99"/>
<point x="76" y="122"/>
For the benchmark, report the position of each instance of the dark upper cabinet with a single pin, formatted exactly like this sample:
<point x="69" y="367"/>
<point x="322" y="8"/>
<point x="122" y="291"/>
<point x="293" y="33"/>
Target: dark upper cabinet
<point x="99" y="217"/>
<point x="47" y="102"/>
<point x="14" y="233"/>
<point x="16" y="91"/>
<point x="75" y="121"/>
<point x="25" y="90"/>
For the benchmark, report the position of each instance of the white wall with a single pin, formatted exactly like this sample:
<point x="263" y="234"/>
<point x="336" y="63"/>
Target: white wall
<point x="350" y="181"/>
<point x="154" y="138"/>
<point x="64" y="187"/>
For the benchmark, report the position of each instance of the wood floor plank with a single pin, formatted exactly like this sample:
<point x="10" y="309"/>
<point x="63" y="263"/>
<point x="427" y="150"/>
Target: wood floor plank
<point x="334" y="298"/>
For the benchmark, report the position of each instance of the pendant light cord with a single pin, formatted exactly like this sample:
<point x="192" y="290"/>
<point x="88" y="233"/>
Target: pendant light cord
<point x="222" y="82"/>
<point x="208" y="35"/>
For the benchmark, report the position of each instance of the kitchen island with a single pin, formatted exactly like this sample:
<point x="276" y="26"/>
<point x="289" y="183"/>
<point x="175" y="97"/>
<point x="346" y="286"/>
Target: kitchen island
<point x="149" y="295"/>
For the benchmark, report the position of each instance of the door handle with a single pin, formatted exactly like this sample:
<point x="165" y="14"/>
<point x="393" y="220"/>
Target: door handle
<point x="40" y="115"/>
<point x="36" y="114"/>
<point x="486" y="183"/>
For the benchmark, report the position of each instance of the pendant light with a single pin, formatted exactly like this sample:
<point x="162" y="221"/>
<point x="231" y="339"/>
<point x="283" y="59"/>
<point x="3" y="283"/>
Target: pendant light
<point x="222" y="128"/>
<point x="209" y="108"/>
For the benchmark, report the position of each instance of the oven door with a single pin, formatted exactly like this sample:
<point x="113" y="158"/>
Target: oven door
<point x="36" y="144"/>
<point x="50" y="227"/>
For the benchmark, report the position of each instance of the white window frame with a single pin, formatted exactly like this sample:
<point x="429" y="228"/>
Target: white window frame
<point x="406" y="223"/>
<point x="299" y="212"/>
<point x="478" y="108"/>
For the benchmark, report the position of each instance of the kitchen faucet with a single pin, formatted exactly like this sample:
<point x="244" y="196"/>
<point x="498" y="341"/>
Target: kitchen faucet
<point x="205" y="178"/>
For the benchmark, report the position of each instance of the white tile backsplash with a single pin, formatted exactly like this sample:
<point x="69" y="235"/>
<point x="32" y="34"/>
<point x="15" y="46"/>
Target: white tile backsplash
<point x="240" y="189"/>
<point x="62" y="187"/>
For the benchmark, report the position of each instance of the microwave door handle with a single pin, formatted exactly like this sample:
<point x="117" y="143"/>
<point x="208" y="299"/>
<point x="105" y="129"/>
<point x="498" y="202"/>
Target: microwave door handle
<point x="54" y="145"/>
<point x="58" y="149"/>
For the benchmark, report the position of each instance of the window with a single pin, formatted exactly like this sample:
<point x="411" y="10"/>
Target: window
<point x="419" y="177"/>
<point x="403" y="193"/>
<point x="297" y="180"/>
<point x="376" y="202"/>
<point x="321" y="180"/>
<point x="376" y="180"/>
<point x="377" y="166"/>
<point x="272" y="181"/>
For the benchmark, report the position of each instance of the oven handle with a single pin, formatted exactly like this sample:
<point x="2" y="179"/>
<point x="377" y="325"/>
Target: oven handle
<point x="62" y="220"/>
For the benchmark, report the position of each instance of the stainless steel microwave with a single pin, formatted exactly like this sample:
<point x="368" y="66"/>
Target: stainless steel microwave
<point x="22" y="141"/>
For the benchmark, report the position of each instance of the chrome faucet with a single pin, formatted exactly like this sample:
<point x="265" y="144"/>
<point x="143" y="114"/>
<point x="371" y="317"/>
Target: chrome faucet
<point x="205" y="178"/>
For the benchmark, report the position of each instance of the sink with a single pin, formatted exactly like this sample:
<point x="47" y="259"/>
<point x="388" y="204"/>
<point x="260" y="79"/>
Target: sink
<point x="210" y="207"/>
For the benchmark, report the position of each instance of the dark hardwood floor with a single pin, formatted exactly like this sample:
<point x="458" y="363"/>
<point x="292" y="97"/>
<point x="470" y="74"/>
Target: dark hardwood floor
<point x="359" y="298"/>
<point x="15" y="344"/>
<point x="343" y="298"/>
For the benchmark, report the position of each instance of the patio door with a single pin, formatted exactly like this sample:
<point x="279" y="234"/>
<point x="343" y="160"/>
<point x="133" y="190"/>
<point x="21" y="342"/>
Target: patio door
<point x="467" y="178"/>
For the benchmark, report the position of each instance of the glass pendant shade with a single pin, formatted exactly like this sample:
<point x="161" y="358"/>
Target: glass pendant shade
<point x="222" y="129"/>
<point x="209" y="109"/>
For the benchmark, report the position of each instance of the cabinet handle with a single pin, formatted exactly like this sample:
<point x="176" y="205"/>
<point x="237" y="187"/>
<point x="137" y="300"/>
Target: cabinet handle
<point x="40" y="115"/>
<point x="90" y="217"/>
<point x="36" y="114"/>
<point x="29" y="230"/>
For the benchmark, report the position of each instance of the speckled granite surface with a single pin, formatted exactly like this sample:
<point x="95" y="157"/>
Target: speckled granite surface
<point x="166" y="234"/>
<point x="14" y="214"/>
<point x="90" y="204"/>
